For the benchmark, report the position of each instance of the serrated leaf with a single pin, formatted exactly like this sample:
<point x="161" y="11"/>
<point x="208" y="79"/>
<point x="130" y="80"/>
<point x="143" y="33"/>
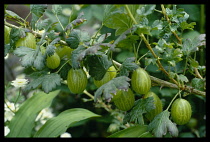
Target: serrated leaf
<point x="76" y="37"/>
<point x="198" y="83"/>
<point x="47" y="81"/>
<point x="56" y="9"/>
<point x="127" y="66"/>
<point x="182" y="78"/>
<point x="142" y="29"/>
<point x="108" y="12"/>
<point x="187" y="45"/>
<point x="59" y="124"/>
<point x="146" y="10"/>
<point x="119" y="21"/>
<point x="15" y="35"/>
<point x="140" y="107"/>
<point x="128" y="41"/>
<point x="22" y="123"/>
<point x="157" y="25"/>
<point x="184" y="25"/>
<point x="133" y="131"/>
<point x="75" y="57"/>
<point x="111" y="87"/>
<point x="98" y="65"/>
<point x="42" y="24"/>
<point x="30" y="57"/>
<point x="199" y="41"/>
<point x="161" y="124"/>
<point x="38" y="9"/>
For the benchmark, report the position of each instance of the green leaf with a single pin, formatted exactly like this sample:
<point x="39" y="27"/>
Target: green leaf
<point x="47" y="81"/>
<point x="161" y="124"/>
<point x="182" y="78"/>
<point x="12" y="15"/>
<point x="76" y="37"/>
<point x="193" y="62"/>
<point x="30" y="57"/>
<point x="128" y="41"/>
<point x="131" y="132"/>
<point x="146" y="10"/>
<point x="198" y="83"/>
<point x="42" y="24"/>
<point x="56" y="9"/>
<point x="127" y="66"/>
<point x="15" y="35"/>
<point x="108" y="9"/>
<point x="111" y="87"/>
<point x="7" y="48"/>
<point x="184" y="25"/>
<point x="22" y="123"/>
<point x="38" y="9"/>
<point x="58" y="125"/>
<point x="141" y="106"/>
<point x="98" y="65"/>
<point x="64" y="71"/>
<point x="75" y="56"/>
<point x="119" y="21"/>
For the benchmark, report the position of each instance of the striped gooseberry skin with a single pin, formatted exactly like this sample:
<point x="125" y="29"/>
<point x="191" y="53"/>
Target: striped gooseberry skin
<point x="28" y="41"/>
<point x="158" y="106"/>
<point x="140" y="81"/>
<point x="109" y="75"/>
<point x="181" y="111"/>
<point x="77" y="80"/>
<point x="53" y="61"/>
<point x="124" y="100"/>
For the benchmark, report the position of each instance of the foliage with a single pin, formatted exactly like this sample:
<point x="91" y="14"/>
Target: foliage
<point x="167" y="41"/>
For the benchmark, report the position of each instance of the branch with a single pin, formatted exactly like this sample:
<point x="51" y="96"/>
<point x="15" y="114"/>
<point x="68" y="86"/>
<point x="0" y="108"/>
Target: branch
<point x="161" y="82"/>
<point x="154" y="79"/>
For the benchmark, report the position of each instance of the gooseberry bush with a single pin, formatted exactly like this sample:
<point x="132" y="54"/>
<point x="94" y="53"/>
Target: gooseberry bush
<point x="141" y="73"/>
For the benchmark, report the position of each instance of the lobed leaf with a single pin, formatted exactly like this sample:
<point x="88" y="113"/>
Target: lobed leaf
<point x="161" y="124"/>
<point x="76" y="37"/>
<point x="47" y="81"/>
<point x="111" y="87"/>
<point x="127" y="66"/>
<point x="98" y="68"/>
<point x="30" y="57"/>
<point x="140" y="107"/>
<point x="38" y="9"/>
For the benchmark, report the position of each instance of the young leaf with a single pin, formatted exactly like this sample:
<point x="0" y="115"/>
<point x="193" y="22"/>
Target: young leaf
<point x="111" y="88"/>
<point x="38" y="9"/>
<point x="140" y="107"/>
<point x="56" y="9"/>
<point x="30" y="57"/>
<point x="98" y="68"/>
<point x="127" y="66"/>
<point x="22" y="123"/>
<point x="47" y="81"/>
<point x="59" y="124"/>
<point x="76" y="37"/>
<point x="161" y="124"/>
